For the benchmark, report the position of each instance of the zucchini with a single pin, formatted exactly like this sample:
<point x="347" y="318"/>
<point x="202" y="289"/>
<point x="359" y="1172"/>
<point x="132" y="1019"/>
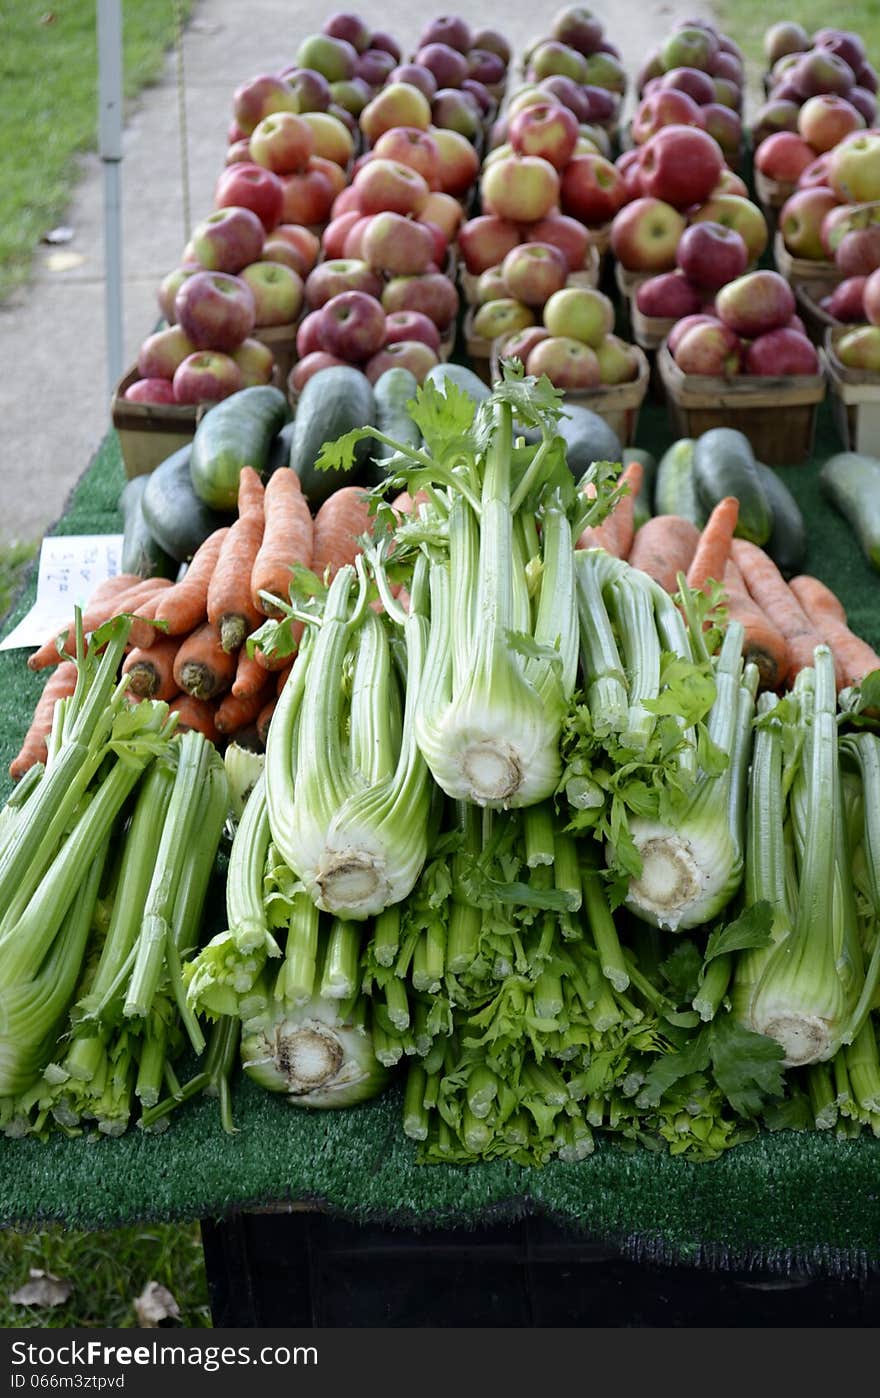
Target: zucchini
<point x="787" y="545"/>
<point x="392" y="391"/>
<point x="176" y="516"/>
<point x="644" y="502"/>
<point x="332" y="402"/>
<point x="141" y="552"/>
<point x="675" y="492"/>
<point x="724" y="464"/>
<point x="235" y="432"/>
<point x="279" y="449"/>
<point x="587" y="438"/>
<point x="461" y="376"/>
<point x="851" y="481"/>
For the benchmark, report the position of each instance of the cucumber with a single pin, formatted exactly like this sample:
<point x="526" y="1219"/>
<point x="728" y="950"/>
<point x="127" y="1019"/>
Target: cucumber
<point x="141" y="552"/>
<point x="588" y="438"/>
<point x="644" y="503"/>
<point x="176" y="516"/>
<point x="279" y="449"/>
<point x="851" y="481"/>
<point x="392" y="391"/>
<point x="787" y="545"/>
<point x="333" y="401"/>
<point x="724" y="464"/>
<point x="236" y="432"/>
<point x="461" y="376"/>
<point x="675" y="492"/>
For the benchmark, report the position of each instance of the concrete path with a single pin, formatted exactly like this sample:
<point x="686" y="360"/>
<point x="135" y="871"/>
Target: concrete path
<point x="53" y="376"/>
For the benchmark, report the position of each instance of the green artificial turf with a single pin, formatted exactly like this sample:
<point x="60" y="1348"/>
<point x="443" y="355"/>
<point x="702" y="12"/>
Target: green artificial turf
<point x="809" y="1201"/>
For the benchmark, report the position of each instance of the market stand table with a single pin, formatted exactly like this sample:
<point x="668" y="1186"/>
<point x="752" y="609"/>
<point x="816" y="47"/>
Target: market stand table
<point x="325" y="1217"/>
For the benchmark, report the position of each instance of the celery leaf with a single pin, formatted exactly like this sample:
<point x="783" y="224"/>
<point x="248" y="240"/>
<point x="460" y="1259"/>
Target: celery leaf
<point x="747" y="1066"/>
<point x="753" y="928"/>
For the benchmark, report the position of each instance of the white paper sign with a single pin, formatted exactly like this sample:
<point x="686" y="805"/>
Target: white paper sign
<point x="71" y="567"/>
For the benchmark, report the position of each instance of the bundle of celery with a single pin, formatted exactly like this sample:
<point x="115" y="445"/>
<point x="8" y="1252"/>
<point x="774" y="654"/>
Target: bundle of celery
<point x="104" y="866"/>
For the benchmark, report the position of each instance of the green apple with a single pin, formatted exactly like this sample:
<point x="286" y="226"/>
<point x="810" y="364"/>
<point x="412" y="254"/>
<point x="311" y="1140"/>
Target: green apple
<point x="617" y="360"/>
<point x="501" y="317"/>
<point x="860" y="348"/>
<point x="579" y="313"/>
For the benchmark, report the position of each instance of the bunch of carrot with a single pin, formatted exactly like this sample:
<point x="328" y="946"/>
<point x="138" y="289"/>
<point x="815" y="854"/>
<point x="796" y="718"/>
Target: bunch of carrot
<point x="783" y="621"/>
<point x="187" y="643"/>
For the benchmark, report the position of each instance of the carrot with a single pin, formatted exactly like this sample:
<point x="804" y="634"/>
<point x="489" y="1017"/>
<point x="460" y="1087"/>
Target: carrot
<point x="343" y="516"/>
<point x="202" y="667"/>
<point x="195" y="714"/>
<point x="230" y="608"/>
<point x="776" y="599"/>
<point x="98" y="610"/>
<point x="151" y="671"/>
<point x="250" y="675"/>
<point x="264" y="718"/>
<point x="763" y="644"/>
<point x="35" y="745"/>
<point x="234" y="713"/>
<point x="713" y="549"/>
<point x="185" y="605"/>
<point x="287" y="539"/>
<point x="853" y="657"/>
<point x="664" y="547"/>
<point x="615" y="533"/>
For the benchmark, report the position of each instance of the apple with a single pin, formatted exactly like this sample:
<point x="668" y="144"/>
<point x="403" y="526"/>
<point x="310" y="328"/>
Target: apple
<point x="710" y="255"/>
<point x="277" y="291"/>
<point x="783" y="38"/>
<point x="386" y="184"/>
<point x="485" y="241"/>
<point x="847" y="45"/>
<point x="865" y="104"/>
<point x="681" y="327"/>
<point x="407" y="145"/>
<point x="546" y="130"/>
<point x="308" y="197"/>
<point x="775" y="115"/>
<point x="592" y="190"/>
<point x="628" y="164"/>
<point x="858" y="252"/>
<point x="352" y="94"/>
<point x="533" y="271"/>
<point x="501" y="317"/>
<point x="443" y="211"/>
<point x="567" y="363"/>
<point x="522" y="188"/>
<point x="729" y="67"/>
<point x="282" y="142"/>
<point x="755" y="303"/>
<point x="697" y="84"/>
<point x="708" y="348"/>
<point x="414" y="355"/>
<point x="618" y="362"/>
<point x="847" y="301"/>
<point x="728" y="94"/>
<point x="563" y="91"/>
<point x="552" y="57"/>
<point x="784" y="156"/>
<point x="668" y="296"/>
<point x="824" y="120"/>
<point x="351" y="27"/>
<point x="652" y="70"/>
<point x="736" y="212"/>
<point x="867" y="78"/>
<point x="448" y="29"/>
<point x="453" y="109"/>
<point x="730" y="183"/>
<point x="374" y="67"/>
<point x="725" y="126"/>
<point x="151" y="391"/>
<point x="821" y="71"/>
<point x="305" y="243"/>
<point x="397" y="246"/>
<point x="871" y="297"/>
<point x="411" y="325"/>
<point x="332" y="138"/>
<point x="431" y="293"/>
<point x="781" y="352"/>
<point x="333" y="58"/>
<point x="343" y="118"/>
<point x="161" y="352"/>
<point x="309" y="336"/>
<point x="681" y="165"/>
<point x="352" y="246"/>
<point x="239" y="153"/>
<point x="493" y="41"/>
<point x="255" y="361"/>
<point x="259" y="97"/>
<point x="205" y="377"/>
<point x="247" y="185"/>
<point x="567" y="234"/>
<point x="333" y="236"/>
<point x="415" y="75"/>
<point x="689" y="47"/>
<point x="215" y="310"/>
<point x="490" y="286"/>
<point x="310" y="88"/>
<point x="664" y="108"/>
<point x="860" y="348"/>
<point x="579" y="313"/>
<point x="169" y="287"/>
<point x="352" y="326"/>
<point x="855" y="168"/>
<point x="645" y="235"/>
<point x="800" y="221"/>
<point x="448" y="66"/>
<point x="577" y="27"/>
<point x="440" y="242"/>
<point x="818" y="172"/>
<point x="310" y="365"/>
<point x="338" y="274"/>
<point x="459" y="163"/>
<point x="605" y="69"/>
<point x="228" y="239"/>
<point x="522" y="342"/>
<point x="387" y="42"/>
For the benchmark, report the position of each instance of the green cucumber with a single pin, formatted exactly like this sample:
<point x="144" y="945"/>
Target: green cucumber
<point x="235" y="432"/>
<point x="587" y="438"/>
<point x="644" y="502"/>
<point x="392" y="391"/>
<point x="176" y="516"/>
<point x="851" y="481"/>
<point x="787" y="545"/>
<point x="279" y="449"/>
<point x="332" y="402"/>
<point x="141" y="552"/>
<point x="461" y="376"/>
<point x="675" y="492"/>
<point x="724" y="464"/>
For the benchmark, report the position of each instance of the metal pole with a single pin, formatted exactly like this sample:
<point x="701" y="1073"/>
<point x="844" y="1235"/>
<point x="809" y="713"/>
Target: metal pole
<point x="110" y="150"/>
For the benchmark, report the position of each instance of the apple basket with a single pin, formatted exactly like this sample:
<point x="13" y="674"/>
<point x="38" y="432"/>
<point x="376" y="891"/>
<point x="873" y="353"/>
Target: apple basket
<point x="817" y="272"/>
<point x="855" y="397"/>
<point x="617" y="404"/>
<point x="778" y="415"/>
<point x="148" y="432"/>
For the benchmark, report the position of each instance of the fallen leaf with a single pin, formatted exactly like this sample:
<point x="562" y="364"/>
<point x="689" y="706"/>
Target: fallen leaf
<point x="42" y="1290"/>
<point x="64" y="261"/>
<point x="154" y="1305"/>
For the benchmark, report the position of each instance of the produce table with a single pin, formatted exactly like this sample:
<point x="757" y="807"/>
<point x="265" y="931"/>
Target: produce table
<point x="807" y="1202"/>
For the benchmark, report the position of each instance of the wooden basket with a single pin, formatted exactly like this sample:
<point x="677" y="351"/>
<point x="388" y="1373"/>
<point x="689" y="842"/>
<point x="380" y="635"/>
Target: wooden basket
<point x="649" y="332"/>
<point x="855" y="398"/>
<point x="628" y="282"/>
<point x="772" y="193"/>
<point x="148" y="432"/>
<point x="281" y="340"/>
<point x="618" y="404"/>
<point x="777" y="415"/>
<point x="818" y="273"/>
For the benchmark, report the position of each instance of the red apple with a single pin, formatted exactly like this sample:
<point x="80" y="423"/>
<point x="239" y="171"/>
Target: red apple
<point x="309" y="337"/>
<point x="335" y="174"/>
<point x="328" y="279"/>
<point x="277" y="291"/>
<point x="533" y="271"/>
<point x="817" y="173"/>
<point x="490" y="287"/>
<point x="781" y="352"/>
<point x="725" y="126"/>
<point x="259" y="97"/>
<point x="521" y="188"/>
<point x="215" y="310"/>
<point x="628" y="164"/>
<point x="592" y="190"/>
<point x="411" y="325"/>
<point x="345" y="203"/>
<point x="415" y="75"/>
<point x="150" y="391"/>
<point x="312" y="364"/>
<point x="206" y="377"/>
<point x="485" y="67"/>
<point x="459" y="163"/>
<point x="407" y="145"/>
<point x="415" y="355"/>
<point x="282" y="143"/>
<point x="352" y="326"/>
<point x="821" y="71"/>
<point x="708" y="348"/>
<point x="385" y="184"/>
<point x="249" y="186"/>
<point x="681" y="327"/>
<point x="431" y="293"/>
<point x="439" y="240"/>
<point x="774" y="116"/>
<point x="374" y="68"/>
<point x="729" y="67"/>
<point x="871" y="298"/>
<point x="567" y="234"/>
<point x="579" y="313"/>
<point x="353" y="244"/>
<point x="495" y="42"/>
<point x="785" y="37"/>
<point x="800" y="221"/>
<point x="865" y="104"/>
<point x="568" y="363"/>
<point x="867" y="77"/>
<point x="228" y="239"/>
<point x="730" y="183"/>
<point x="333" y="237"/>
<point x="668" y="296"/>
<point x="448" y="66"/>
<point x="577" y="27"/>
<point x="858" y="252"/>
<point x="756" y="303"/>
<point x="522" y="342"/>
<point x="645" y="235"/>
<point x="733" y="211"/>
<point x="562" y="90"/>
<point x="697" y="84"/>
<point x="444" y="212"/>
<point x="308" y="197"/>
<point x="455" y="109"/>
<point x="161" y="352"/>
<point x="304" y="242"/>
<point x="310" y="89"/>
<point x="351" y="27"/>
<point x="255" y="361"/>
<point x="710" y="255"/>
<point x="396" y="245"/>
<point x="547" y="130"/>
<point x="664" y="108"/>
<point x="681" y="165"/>
<point x="824" y="120"/>
<point x="847" y="301"/>
<point x="485" y="241"/>
<point x="239" y="153"/>
<point x="847" y="45"/>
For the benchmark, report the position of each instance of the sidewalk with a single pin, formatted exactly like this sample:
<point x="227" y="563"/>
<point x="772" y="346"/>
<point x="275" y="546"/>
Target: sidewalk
<point x="55" y="400"/>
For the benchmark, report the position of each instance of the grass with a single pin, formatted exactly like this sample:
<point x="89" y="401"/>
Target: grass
<point x="746" y="21"/>
<point x="14" y="560"/>
<point x="49" y="104"/>
<point x="107" y="1270"/>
